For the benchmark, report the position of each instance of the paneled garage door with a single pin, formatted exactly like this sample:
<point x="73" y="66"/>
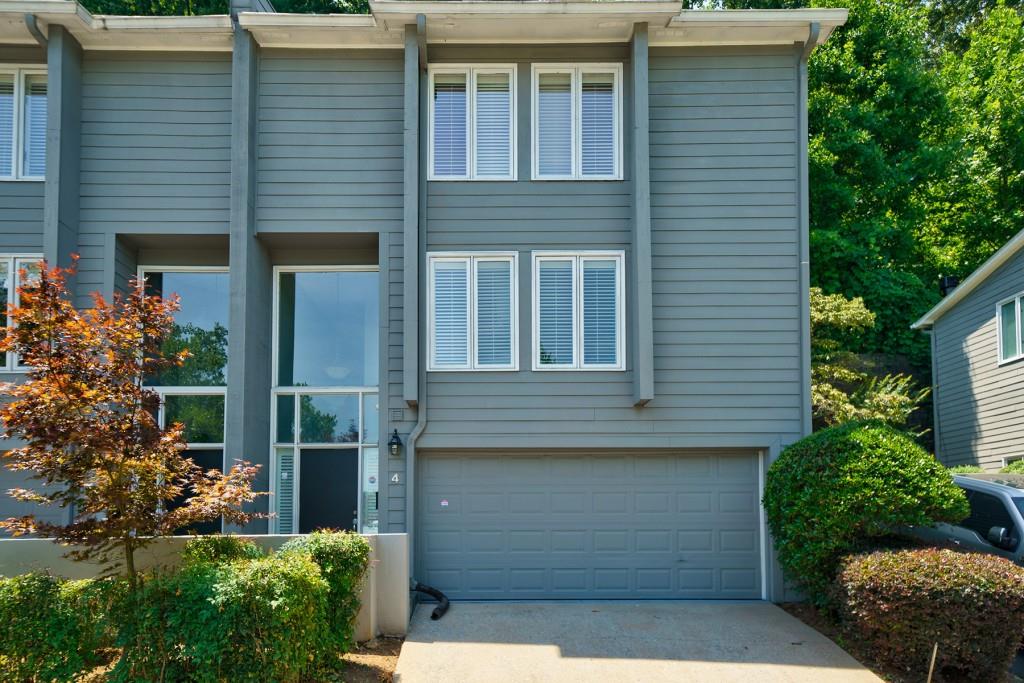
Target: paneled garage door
<point x="608" y="525"/>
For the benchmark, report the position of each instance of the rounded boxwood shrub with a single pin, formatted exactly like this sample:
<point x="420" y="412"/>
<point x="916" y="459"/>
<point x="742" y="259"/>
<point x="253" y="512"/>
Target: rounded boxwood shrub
<point x="830" y="493"/>
<point x="1015" y="467"/>
<point x="247" y="620"/>
<point x="219" y="548"/>
<point x="343" y="558"/>
<point x="52" y="629"/>
<point x="899" y="604"/>
<point x="965" y="469"/>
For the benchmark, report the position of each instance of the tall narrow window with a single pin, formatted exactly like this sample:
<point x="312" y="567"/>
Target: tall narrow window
<point x="578" y="311"/>
<point x="577" y="122"/>
<point x="22" y="123"/>
<point x="15" y="271"/>
<point x="472" y="123"/>
<point x="1010" y="329"/>
<point x="472" y="316"/>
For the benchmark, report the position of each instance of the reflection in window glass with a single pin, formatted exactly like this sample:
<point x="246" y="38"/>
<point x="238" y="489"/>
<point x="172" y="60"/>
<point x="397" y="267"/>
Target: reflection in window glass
<point x="285" y="432"/>
<point x="1008" y="320"/>
<point x="329" y="418"/>
<point x="200" y="325"/>
<point x="5" y="290"/>
<point x="328" y="329"/>
<point x="203" y="416"/>
<point x="371" y="418"/>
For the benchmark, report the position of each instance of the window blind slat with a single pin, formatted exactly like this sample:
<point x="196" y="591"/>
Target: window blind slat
<point x="493" y="105"/>
<point x="494" y="313"/>
<point x="6" y="124"/>
<point x="450" y="125"/>
<point x="597" y="124"/>
<point x="285" y="490"/>
<point x="554" y="124"/>
<point x="451" y="309"/>
<point x="555" y="312"/>
<point x="35" y="125"/>
<point x="600" y="309"/>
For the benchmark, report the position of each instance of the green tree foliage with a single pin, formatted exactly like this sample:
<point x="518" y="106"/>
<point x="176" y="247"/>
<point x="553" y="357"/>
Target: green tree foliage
<point x="843" y="387"/>
<point x="951" y="21"/>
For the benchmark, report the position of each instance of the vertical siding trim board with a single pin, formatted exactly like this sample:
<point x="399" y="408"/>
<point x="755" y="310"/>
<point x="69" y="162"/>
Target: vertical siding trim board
<point x="643" y="326"/>
<point x="410" y="218"/>
<point x="63" y="148"/>
<point x="805" y="222"/>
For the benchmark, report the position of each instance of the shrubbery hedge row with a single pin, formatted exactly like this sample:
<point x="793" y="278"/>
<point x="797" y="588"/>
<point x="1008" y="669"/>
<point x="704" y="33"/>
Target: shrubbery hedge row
<point x="900" y="603"/>
<point x="229" y="612"/>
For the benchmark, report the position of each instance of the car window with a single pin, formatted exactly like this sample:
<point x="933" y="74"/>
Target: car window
<point x="987" y="511"/>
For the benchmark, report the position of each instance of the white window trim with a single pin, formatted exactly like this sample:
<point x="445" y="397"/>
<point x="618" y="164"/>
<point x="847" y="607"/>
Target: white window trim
<point x="471" y="71"/>
<point x="576" y="72"/>
<point x="9" y="364"/>
<point x="20" y="71"/>
<point x="472" y="258"/>
<point x="578" y="258"/>
<point x="1019" y="300"/>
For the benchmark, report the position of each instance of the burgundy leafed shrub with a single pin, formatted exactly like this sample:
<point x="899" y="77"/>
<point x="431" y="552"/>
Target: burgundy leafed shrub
<point x="899" y="603"/>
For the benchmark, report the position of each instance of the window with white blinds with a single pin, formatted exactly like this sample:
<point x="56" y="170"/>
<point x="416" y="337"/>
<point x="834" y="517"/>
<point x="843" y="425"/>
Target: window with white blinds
<point x="472" y="122"/>
<point x="22" y="123"/>
<point x="577" y="122"/>
<point x="578" y="311"/>
<point x="472" y="314"/>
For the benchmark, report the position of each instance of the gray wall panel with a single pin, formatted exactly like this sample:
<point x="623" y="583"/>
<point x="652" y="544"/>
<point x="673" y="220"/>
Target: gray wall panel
<point x="21" y="216"/>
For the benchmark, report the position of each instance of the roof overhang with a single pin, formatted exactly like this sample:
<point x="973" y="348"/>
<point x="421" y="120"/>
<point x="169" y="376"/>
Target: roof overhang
<point x="1008" y="251"/>
<point x="447" y="22"/>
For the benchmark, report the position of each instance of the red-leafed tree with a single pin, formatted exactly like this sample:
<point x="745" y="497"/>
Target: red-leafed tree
<point x="89" y="428"/>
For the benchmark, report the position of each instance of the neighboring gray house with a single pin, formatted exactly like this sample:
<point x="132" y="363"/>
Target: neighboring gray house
<point x="978" y="364"/>
<point x="558" y="250"/>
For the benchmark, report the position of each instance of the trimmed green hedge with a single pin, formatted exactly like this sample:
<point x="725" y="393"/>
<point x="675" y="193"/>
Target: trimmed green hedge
<point x="219" y="548"/>
<point x="965" y="469"/>
<point x="1015" y="467"/>
<point x="829" y="494"/>
<point x="898" y="604"/>
<point x="52" y="629"/>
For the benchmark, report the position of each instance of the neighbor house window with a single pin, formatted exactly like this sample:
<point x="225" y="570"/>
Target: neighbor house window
<point x="472" y="314"/>
<point x="577" y="122"/>
<point x="194" y="393"/>
<point x="15" y="271"/>
<point x="1010" y="330"/>
<point x="578" y="311"/>
<point x="472" y="122"/>
<point x="22" y="123"/>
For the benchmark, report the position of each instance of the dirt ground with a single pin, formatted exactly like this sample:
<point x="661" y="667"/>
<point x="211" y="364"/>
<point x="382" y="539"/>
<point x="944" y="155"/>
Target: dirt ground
<point x="373" y="661"/>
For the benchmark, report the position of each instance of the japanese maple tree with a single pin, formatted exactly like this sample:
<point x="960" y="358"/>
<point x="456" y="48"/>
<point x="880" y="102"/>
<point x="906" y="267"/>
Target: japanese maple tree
<point x="89" y="428"/>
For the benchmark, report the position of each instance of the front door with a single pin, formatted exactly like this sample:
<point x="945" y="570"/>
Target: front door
<point x="328" y="489"/>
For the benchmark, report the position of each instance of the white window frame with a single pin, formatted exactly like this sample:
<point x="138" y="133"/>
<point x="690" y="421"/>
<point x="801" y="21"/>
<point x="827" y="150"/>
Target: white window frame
<point x="578" y="259"/>
<point x="1018" y="299"/>
<point x="471" y="71"/>
<point x="20" y="72"/>
<point x="299" y="390"/>
<point x="14" y="263"/>
<point x="576" y="72"/>
<point x="472" y="258"/>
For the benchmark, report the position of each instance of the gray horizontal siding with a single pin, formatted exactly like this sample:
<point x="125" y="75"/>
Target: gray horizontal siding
<point x="725" y="281"/>
<point x="979" y="403"/>
<point x="21" y="217"/>
<point x="329" y="141"/>
<point x="156" y="147"/>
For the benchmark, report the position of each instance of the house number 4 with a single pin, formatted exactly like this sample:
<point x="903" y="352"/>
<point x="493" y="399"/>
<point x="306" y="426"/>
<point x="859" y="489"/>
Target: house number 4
<point x="395" y="478"/>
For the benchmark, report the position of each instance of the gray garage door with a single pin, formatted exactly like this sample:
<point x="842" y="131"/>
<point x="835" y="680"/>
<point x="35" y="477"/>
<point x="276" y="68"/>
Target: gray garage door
<point x="608" y="525"/>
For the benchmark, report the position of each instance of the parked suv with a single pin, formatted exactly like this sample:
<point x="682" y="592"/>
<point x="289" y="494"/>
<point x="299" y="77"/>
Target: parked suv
<point x="996" y="522"/>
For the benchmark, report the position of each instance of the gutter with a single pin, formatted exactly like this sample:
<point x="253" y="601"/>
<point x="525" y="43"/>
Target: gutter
<point x="804" y="258"/>
<point x="32" y="24"/>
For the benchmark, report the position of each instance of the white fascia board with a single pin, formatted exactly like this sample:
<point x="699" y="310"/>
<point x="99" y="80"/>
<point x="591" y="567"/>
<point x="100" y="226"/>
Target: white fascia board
<point x="454" y="8"/>
<point x="1008" y="251"/>
<point x="319" y="31"/>
<point x="747" y="27"/>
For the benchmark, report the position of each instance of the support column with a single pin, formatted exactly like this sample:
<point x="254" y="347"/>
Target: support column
<point x="410" y="220"/>
<point x="643" y="342"/>
<point x="63" y="146"/>
<point x="247" y="413"/>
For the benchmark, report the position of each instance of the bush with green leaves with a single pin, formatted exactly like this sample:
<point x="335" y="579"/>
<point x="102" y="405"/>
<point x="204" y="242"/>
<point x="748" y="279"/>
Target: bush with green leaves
<point x="52" y="629"/>
<point x="1015" y="467"/>
<point x="965" y="469"/>
<point x="247" y="620"/>
<point x="830" y="493"/>
<point x="343" y="558"/>
<point x="217" y="548"/>
<point x="899" y="604"/>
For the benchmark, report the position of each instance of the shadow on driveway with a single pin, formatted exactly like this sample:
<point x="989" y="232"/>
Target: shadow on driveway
<point x="620" y="641"/>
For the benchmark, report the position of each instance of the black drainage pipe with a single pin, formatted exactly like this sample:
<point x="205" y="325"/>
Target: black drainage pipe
<point x="442" y="600"/>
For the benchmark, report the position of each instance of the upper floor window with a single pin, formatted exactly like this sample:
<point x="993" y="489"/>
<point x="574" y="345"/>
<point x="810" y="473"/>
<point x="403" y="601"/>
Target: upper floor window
<point x="577" y="122"/>
<point x="472" y="122"/>
<point x="1011" y="334"/>
<point x="22" y="123"/>
<point x="15" y="271"/>
<point x="472" y="313"/>
<point x="578" y="311"/>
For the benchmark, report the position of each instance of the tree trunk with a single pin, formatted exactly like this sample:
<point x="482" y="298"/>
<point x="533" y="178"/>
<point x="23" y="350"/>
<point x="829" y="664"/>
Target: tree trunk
<point x="129" y="563"/>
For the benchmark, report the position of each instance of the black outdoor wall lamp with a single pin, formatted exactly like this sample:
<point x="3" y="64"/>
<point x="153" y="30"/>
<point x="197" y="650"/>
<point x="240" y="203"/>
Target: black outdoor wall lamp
<point x="395" y="444"/>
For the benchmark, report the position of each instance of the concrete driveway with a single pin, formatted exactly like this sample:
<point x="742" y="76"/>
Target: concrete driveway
<point x="620" y="641"/>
